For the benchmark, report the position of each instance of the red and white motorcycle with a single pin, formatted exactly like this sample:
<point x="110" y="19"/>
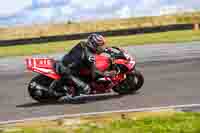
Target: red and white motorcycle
<point x="127" y="80"/>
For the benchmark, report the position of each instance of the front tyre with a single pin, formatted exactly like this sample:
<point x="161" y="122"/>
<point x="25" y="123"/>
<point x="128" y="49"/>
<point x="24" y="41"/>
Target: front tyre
<point x="138" y="79"/>
<point x="134" y="81"/>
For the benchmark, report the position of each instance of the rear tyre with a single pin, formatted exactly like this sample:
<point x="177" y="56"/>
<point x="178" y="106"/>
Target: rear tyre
<point x="38" y="94"/>
<point x="134" y="81"/>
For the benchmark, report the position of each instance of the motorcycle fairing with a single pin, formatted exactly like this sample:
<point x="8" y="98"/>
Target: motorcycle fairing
<point x="102" y="62"/>
<point x="129" y="64"/>
<point x="43" y="66"/>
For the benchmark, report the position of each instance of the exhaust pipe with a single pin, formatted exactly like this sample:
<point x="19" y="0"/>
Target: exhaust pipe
<point x="38" y="86"/>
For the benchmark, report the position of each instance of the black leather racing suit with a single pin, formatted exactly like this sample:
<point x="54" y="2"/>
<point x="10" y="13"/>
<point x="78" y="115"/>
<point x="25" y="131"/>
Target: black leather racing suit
<point x="79" y="57"/>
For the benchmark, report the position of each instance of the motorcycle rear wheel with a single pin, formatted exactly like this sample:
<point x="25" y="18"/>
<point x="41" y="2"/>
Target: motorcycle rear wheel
<point x="132" y="84"/>
<point x="38" y="94"/>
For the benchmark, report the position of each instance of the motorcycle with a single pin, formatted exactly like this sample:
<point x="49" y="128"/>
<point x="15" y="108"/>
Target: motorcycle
<point x="126" y="80"/>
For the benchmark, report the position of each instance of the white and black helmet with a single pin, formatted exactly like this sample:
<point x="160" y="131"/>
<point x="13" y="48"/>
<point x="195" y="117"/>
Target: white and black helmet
<point x="95" y="40"/>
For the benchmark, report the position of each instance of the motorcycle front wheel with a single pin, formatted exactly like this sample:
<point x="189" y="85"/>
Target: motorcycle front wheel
<point x="133" y="82"/>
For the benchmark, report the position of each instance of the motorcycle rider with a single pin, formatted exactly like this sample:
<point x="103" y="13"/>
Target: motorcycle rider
<point x="82" y="55"/>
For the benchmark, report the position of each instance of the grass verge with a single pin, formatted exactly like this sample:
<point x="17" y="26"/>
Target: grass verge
<point x="70" y="27"/>
<point x="55" y="47"/>
<point x="176" y="123"/>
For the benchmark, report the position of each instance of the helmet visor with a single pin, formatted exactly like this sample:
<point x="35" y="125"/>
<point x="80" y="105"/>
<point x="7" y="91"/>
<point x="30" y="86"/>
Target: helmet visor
<point x="100" y="49"/>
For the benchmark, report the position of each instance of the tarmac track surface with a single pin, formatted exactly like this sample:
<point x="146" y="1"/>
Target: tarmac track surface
<point x="171" y="82"/>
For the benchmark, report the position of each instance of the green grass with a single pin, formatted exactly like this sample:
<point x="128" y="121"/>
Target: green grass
<point x="55" y="47"/>
<point x="35" y="130"/>
<point x="177" y="123"/>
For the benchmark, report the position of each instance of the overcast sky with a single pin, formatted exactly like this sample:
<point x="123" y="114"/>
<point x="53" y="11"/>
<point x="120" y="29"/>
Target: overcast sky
<point x="91" y="9"/>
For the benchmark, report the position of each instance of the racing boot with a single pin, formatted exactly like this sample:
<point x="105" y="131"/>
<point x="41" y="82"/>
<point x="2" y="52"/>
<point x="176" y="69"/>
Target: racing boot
<point x="84" y="88"/>
<point x="81" y="88"/>
<point x="66" y="98"/>
<point x="52" y="92"/>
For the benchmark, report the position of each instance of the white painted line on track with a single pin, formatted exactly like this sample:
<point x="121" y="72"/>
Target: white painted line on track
<point x="98" y="113"/>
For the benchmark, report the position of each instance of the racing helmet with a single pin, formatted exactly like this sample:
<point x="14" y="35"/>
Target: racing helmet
<point x="96" y="42"/>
